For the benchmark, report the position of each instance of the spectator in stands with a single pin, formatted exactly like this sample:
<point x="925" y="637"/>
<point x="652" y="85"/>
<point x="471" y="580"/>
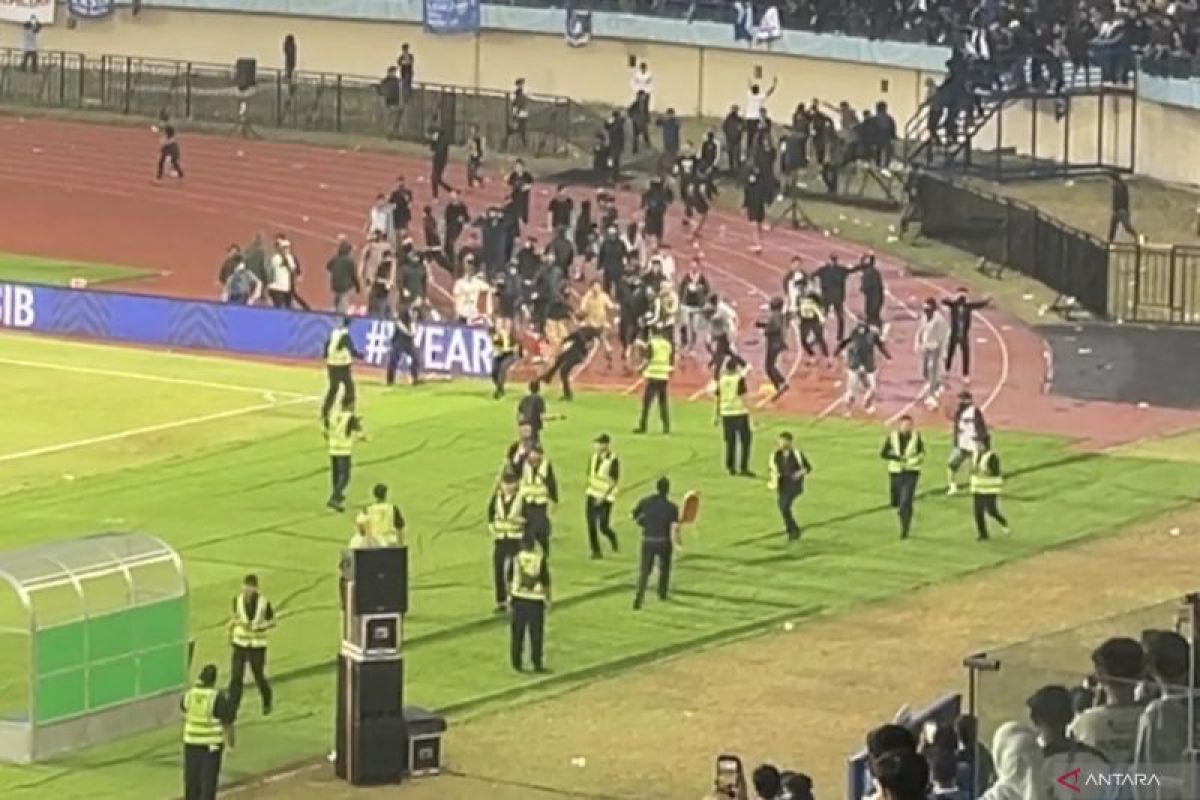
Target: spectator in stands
<point x="1162" y="734"/>
<point x="343" y="276"/>
<point x="1020" y="773"/>
<point x="976" y="769"/>
<point x="900" y="775"/>
<point x="1111" y="726"/>
<point x="233" y="256"/>
<point x="743" y="21"/>
<point x="797" y="786"/>
<point x="885" y="126"/>
<point x="407" y="63"/>
<point x="943" y="769"/>
<point x="241" y="287"/>
<point x="29" y="44"/>
<point x="284" y="271"/>
<point x="768" y="785"/>
<point x="393" y="109"/>
<point x="756" y="104"/>
<point x="769" y="28"/>
<point x="890" y="737"/>
<point x="1050" y="712"/>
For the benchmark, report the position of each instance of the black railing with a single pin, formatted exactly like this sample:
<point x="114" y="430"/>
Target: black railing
<point x="1156" y="283"/>
<point x="1017" y="235"/>
<point x="325" y="102"/>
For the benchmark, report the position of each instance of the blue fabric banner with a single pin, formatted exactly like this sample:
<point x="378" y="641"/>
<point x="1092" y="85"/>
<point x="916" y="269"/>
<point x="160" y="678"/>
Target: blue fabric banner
<point x="451" y="16"/>
<point x="245" y="330"/>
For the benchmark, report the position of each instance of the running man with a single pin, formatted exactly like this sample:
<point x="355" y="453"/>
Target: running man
<point x="861" y="367"/>
<point x="168" y="152"/>
<point x="969" y="430"/>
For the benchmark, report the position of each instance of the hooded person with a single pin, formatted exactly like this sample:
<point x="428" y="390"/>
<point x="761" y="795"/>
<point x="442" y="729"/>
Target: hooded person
<point x="1020" y="774"/>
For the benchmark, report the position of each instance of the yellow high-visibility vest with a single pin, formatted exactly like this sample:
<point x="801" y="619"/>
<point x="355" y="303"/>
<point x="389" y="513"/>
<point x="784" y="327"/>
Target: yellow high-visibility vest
<point x="600" y="483"/>
<point x="811" y="309"/>
<point x="508" y="518"/>
<point x="249" y="632"/>
<point x="381" y="523"/>
<point x="341" y="439"/>
<point x="527" y="576"/>
<point x="659" y="366"/>
<point x="729" y="402"/>
<point x="982" y="482"/>
<point x="200" y="726"/>
<point x="773" y="471"/>
<point x="532" y="488"/>
<point x="335" y="354"/>
<point x="910" y="460"/>
<point x="502" y="343"/>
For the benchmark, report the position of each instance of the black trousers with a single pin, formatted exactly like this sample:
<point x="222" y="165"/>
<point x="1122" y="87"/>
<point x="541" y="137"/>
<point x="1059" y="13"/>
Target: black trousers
<point x="654" y="551"/>
<point x="836" y="306"/>
<point x="564" y="365"/>
<point x="169" y="157"/>
<point x="537" y="525"/>
<point x="655" y="390"/>
<point x="280" y="298"/>
<point x="201" y="771"/>
<point x="961" y="344"/>
<point x="771" y="366"/>
<point x="437" y="177"/>
<point x="339" y="478"/>
<point x="500" y="367"/>
<point x="721" y="350"/>
<point x="395" y="352"/>
<point x="528" y="617"/>
<point x="737" y="442"/>
<point x="1117" y="219"/>
<point x="733" y="149"/>
<point x="903" y="492"/>
<point x="987" y="505"/>
<point x="338" y="378"/>
<point x="599" y="516"/>
<point x="503" y="553"/>
<point x="786" y="496"/>
<point x="473" y="179"/>
<point x="873" y="309"/>
<point x="812" y="332"/>
<point x="256" y="657"/>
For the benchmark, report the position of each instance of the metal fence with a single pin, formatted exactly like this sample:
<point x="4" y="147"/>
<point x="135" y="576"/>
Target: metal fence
<point x="324" y="102"/>
<point x="1155" y="283"/>
<point x="1019" y="236"/>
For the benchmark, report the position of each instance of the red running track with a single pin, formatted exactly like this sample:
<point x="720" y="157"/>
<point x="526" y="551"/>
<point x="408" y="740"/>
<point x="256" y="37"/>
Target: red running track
<point x="84" y="192"/>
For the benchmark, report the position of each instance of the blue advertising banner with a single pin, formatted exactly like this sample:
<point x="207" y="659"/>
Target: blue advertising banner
<point x="245" y="330"/>
<point x="450" y="16"/>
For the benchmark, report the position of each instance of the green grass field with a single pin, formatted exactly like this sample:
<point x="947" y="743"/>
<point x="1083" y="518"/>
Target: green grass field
<point x="225" y="461"/>
<point x="32" y="269"/>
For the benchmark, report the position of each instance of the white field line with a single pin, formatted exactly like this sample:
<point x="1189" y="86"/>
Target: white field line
<point x="162" y="426"/>
<point x="141" y="376"/>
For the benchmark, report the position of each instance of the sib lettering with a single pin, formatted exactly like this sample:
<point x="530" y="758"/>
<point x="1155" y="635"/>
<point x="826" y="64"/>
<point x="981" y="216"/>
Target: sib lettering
<point x="16" y="306"/>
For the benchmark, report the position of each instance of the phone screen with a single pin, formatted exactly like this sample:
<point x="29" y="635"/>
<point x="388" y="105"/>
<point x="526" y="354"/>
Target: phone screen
<point x="729" y="772"/>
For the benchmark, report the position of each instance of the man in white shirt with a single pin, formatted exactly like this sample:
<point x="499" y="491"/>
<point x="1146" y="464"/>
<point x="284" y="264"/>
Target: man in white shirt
<point x="379" y="217"/>
<point x="756" y="104"/>
<point x="769" y="28"/>
<point x="642" y="80"/>
<point x="467" y="291"/>
<point x="282" y="285"/>
<point x="933" y="332"/>
<point x="1162" y="732"/>
<point x="969" y="429"/>
<point x="1111" y="726"/>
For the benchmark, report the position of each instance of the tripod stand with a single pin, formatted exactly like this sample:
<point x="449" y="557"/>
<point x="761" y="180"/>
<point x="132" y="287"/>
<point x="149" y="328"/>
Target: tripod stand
<point x="242" y="126"/>
<point x="794" y="212"/>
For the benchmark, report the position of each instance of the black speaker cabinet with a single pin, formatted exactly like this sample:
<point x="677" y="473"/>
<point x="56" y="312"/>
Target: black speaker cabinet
<point x="380" y="578"/>
<point x="370" y="735"/>
<point x="245" y="74"/>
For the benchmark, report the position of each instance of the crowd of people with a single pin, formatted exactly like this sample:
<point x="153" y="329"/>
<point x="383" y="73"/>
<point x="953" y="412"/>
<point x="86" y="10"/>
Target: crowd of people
<point x="1121" y="732"/>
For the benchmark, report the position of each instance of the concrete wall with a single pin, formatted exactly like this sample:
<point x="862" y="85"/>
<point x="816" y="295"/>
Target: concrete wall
<point x="693" y="79"/>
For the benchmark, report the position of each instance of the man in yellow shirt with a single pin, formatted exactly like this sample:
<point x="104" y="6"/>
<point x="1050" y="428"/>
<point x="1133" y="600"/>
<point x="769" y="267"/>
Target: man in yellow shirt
<point x="596" y="309"/>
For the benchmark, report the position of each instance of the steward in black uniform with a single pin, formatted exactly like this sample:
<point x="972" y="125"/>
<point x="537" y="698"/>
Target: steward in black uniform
<point x="789" y="467"/>
<point x="339" y="355"/>
<point x="659" y="518"/>
<point x="506" y="522"/>
<point x="404" y="344"/>
<point x="575" y="349"/>
<point x="904" y="452"/>
<point x="530" y="599"/>
<point x="207" y="729"/>
<point x="504" y="353"/>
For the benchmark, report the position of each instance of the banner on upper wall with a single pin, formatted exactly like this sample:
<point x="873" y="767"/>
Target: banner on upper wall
<point x="579" y="27"/>
<point x="450" y="16"/>
<point x="91" y="9"/>
<point x="245" y="330"/>
<point x="21" y="11"/>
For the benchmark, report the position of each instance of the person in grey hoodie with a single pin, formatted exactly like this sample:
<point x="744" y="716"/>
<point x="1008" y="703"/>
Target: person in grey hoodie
<point x="29" y="44"/>
<point x="933" y="333"/>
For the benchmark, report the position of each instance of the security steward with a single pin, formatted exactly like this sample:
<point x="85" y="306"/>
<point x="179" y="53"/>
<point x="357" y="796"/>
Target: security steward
<point x="339" y="355"/>
<point x="342" y="431"/>
<point x="383" y="519"/>
<point x="252" y="618"/>
<point x="659" y="519"/>
<point x="987" y="484"/>
<point x="788" y="469"/>
<point x="656" y="373"/>
<point x="734" y="416"/>
<point x="529" y="602"/>
<point x="604" y="473"/>
<point x="538" y="489"/>
<point x="207" y="730"/>
<point x="904" y="451"/>
<point x="812" y="328"/>
<point x="506" y="523"/>
<point x="504" y="354"/>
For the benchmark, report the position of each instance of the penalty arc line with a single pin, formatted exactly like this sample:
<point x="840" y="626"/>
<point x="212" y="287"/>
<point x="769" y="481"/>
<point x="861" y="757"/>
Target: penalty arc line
<point x="163" y="426"/>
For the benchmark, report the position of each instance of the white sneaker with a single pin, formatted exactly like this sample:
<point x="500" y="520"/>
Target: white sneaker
<point x="951" y="489"/>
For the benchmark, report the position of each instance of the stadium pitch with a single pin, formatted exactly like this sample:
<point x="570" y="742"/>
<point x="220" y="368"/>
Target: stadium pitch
<point x="224" y="460"/>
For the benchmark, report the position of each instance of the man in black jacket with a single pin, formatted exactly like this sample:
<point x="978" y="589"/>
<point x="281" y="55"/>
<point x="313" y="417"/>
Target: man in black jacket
<point x="789" y="467"/>
<point x="343" y="276"/>
<point x="575" y="349"/>
<point x="962" y="311"/>
<point x="733" y="127"/>
<point x="439" y="148"/>
<point x="831" y="277"/>
<point x="389" y="92"/>
<point x="456" y="216"/>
